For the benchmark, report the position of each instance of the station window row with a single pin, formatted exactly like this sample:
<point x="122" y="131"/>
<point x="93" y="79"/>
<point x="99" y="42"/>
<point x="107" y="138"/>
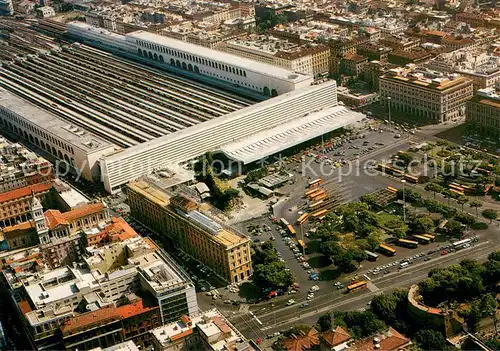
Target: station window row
<point x="192" y="58"/>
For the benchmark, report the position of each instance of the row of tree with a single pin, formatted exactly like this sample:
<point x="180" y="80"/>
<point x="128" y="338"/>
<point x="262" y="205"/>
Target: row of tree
<point x="269" y="272"/>
<point x="460" y="282"/>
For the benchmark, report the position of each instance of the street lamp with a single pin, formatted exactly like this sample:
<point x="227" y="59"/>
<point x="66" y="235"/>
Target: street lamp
<point x="404" y="201"/>
<point x="389" y="108"/>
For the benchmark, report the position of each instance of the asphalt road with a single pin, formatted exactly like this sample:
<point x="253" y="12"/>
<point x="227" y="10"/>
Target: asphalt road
<point x="267" y="319"/>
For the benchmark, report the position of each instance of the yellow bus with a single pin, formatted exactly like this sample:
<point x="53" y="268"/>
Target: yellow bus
<point x="357" y="286"/>
<point x="412" y="244"/>
<point x="320" y="197"/>
<point x="422" y="239"/>
<point x="291" y="230"/>
<point x="302" y="218"/>
<point x="302" y="244"/>
<point x="309" y="192"/>
<point x="315" y="182"/>
<point x="387" y="249"/>
<point x="430" y="236"/>
<point x="392" y="189"/>
<point x="315" y="193"/>
<point x="316" y="204"/>
<point x="319" y="213"/>
<point x="411" y="178"/>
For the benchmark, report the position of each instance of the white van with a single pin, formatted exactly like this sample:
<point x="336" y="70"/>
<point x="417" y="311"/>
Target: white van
<point x="403" y="265"/>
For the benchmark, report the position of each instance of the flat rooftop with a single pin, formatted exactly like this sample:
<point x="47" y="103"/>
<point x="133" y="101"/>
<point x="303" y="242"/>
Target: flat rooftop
<point x="228" y="59"/>
<point x="44" y="120"/>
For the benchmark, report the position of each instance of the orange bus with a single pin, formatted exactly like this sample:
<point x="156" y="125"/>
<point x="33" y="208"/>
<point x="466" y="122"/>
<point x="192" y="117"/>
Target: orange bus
<point x="457" y="192"/>
<point x="302" y="244"/>
<point x="357" y="286"/>
<point x="291" y="230"/>
<point x="387" y="249"/>
<point x="392" y="189"/>
<point x="315" y="182"/>
<point x="315" y="193"/>
<point x="319" y="213"/>
<point x="320" y="197"/>
<point x="303" y="218"/>
<point x="430" y="236"/>
<point x="316" y="204"/>
<point x="411" y="178"/>
<point x="309" y="192"/>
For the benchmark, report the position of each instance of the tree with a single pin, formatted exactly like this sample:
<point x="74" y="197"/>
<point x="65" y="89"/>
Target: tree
<point x="489" y="214"/>
<point x="272" y="275"/>
<point x="421" y="225"/>
<point x="404" y="159"/>
<point x="465" y="218"/>
<point x="435" y="188"/>
<point x="462" y="200"/>
<point x="454" y="228"/>
<point x="476" y="204"/>
<point x="428" y="339"/>
<point x="325" y="322"/>
<point x="494" y="256"/>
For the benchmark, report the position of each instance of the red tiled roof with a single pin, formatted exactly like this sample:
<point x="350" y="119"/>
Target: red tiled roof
<point x="24" y="306"/>
<point x="25" y="191"/>
<point x="394" y="340"/>
<point x="20" y="226"/>
<point x="391" y="340"/>
<point x="83" y="211"/>
<point x="54" y="218"/>
<point x="302" y="342"/>
<point x="222" y="325"/>
<point x="336" y="337"/>
<point x="133" y="309"/>
<point x="100" y="316"/>
<point x="181" y="335"/>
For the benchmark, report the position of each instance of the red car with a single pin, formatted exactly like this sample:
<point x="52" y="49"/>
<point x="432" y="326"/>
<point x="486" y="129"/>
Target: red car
<point x="444" y="252"/>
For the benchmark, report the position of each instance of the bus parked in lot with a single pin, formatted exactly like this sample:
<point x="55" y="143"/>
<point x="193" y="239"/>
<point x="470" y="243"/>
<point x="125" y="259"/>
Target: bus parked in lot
<point x="284" y="222"/>
<point x="371" y="255"/>
<point x="315" y="182"/>
<point x="302" y="244"/>
<point x="303" y="218"/>
<point x="291" y="230"/>
<point x="319" y="214"/>
<point x="357" y="286"/>
<point x="430" y="236"/>
<point x="462" y="243"/>
<point x="410" y="178"/>
<point x="386" y="249"/>
<point x="408" y="243"/>
<point x="422" y="239"/>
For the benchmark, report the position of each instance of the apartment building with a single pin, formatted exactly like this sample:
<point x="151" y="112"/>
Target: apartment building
<point x="73" y="306"/>
<point x="310" y="59"/>
<point x="20" y="167"/>
<point x="483" y="112"/>
<point x="208" y="331"/>
<point x="400" y="42"/>
<point x="15" y="204"/>
<point x="56" y="231"/>
<point x="434" y="98"/>
<point x="193" y="228"/>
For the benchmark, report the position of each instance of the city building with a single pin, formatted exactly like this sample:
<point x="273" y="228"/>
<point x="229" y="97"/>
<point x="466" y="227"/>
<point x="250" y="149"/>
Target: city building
<point x="45" y="12"/>
<point x="390" y="340"/>
<point x="399" y="42"/>
<point x="53" y="229"/>
<point x="402" y="58"/>
<point x="438" y="98"/>
<point x="208" y="331"/>
<point x="20" y="167"/>
<point x="171" y="53"/>
<point x="310" y="59"/>
<point x="482" y="68"/>
<point x="242" y="136"/>
<point x="353" y="65"/>
<point x="483" y="111"/>
<point x="118" y="292"/>
<point x="123" y="346"/>
<point x="193" y="228"/>
<point x="15" y="204"/>
<point x="57" y="138"/>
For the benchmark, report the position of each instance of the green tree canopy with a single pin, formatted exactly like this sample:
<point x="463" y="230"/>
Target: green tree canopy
<point x="489" y="214"/>
<point x="428" y="339"/>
